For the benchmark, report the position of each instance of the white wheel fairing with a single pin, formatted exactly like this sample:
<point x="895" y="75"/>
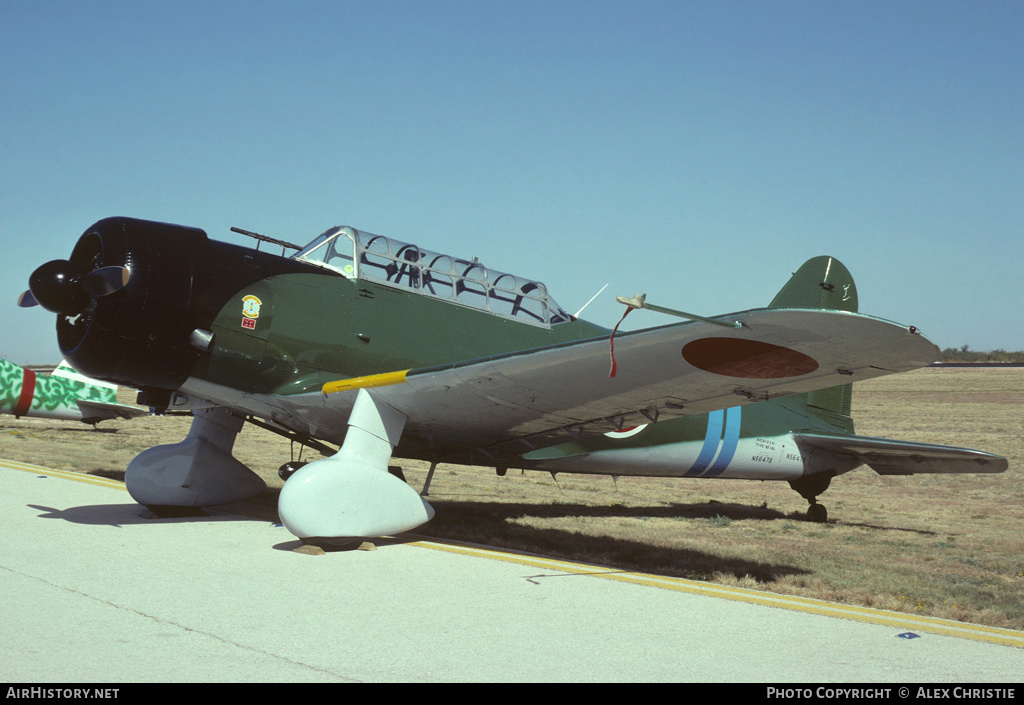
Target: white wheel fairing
<point x="351" y="494"/>
<point x="339" y="498"/>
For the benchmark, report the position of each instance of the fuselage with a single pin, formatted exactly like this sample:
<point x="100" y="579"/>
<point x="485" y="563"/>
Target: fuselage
<point x="349" y="304"/>
<point x="318" y="327"/>
<point x="752" y="442"/>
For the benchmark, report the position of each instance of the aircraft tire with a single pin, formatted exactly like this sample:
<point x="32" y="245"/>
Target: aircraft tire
<point x="817" y="513"/>
<point x="330" y="544"/>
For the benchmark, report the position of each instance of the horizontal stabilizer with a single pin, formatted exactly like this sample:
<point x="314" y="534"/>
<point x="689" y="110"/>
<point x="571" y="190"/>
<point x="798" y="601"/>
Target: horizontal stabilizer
<point x="96" y="411"/>
<point x="888" y="457"/>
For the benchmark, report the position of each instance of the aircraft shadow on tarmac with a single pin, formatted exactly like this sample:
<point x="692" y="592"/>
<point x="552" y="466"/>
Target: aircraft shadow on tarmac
<point x="493" y="524"/>
<point x="489" y="523"/>
<point x="128" y="514"/>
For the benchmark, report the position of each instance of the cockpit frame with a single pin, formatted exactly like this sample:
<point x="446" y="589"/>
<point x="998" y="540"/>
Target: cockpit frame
<point x="356" y="254"/>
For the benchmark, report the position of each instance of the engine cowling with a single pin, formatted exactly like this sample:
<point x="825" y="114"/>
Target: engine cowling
<point x="138" y="335"/>
<point x="138" y="331"/>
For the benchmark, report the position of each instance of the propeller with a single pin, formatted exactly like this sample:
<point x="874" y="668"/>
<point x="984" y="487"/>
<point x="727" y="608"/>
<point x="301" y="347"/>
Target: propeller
<point x="64" y="287"/>
<point x="105" y="280"/>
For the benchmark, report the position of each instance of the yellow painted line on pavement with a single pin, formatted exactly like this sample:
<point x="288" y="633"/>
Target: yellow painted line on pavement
<point x="897" y="620"/>
<point x="245" y="508"/>
<point x="64" y="474"/>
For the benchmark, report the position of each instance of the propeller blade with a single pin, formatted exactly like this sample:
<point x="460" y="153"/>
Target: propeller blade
<point x="105" y="280"/>
<point x="54" y="285"/>
<point x="65" y="287"/>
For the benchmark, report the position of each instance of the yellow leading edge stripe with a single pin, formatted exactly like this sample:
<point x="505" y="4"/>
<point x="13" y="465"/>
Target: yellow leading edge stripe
<point x="382" y="380"/>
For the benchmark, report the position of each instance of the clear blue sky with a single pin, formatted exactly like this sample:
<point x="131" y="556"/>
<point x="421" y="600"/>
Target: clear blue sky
<point x="695" y="151"/>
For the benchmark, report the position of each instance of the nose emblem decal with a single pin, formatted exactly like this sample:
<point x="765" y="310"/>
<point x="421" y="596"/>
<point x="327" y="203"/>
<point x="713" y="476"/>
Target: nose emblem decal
<point x="251" y="306"/>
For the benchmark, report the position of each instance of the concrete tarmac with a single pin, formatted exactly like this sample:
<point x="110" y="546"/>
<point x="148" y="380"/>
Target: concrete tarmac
<point x="96" y="590"/>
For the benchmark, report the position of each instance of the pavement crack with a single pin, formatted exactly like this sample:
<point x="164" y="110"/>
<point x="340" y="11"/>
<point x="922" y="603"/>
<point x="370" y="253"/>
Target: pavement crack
<point x="178" y="625"/>
<point x="531" y="578"/>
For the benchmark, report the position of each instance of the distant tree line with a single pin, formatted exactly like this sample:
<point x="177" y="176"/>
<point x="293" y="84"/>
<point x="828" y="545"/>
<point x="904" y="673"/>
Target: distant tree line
<point x="965" y="354"/>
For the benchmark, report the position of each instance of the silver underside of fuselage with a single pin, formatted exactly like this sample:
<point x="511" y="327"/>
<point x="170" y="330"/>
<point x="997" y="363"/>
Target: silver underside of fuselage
<point x="771" y="458"/>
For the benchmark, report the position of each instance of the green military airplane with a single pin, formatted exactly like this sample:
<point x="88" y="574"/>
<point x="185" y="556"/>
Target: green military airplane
<point x="64" y="394"/>
<point x="387" y="349"/>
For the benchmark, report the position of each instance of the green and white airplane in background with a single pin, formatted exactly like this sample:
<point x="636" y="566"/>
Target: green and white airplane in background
<point x="390" y="350"/>
<point x="64" y="394"/>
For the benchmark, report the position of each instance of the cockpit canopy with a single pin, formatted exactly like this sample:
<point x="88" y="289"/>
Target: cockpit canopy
<point x="359" y="255"/>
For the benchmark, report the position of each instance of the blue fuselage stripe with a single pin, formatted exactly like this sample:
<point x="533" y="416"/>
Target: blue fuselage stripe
<point x="733" y="422"/>
<point x="710" y="447"/>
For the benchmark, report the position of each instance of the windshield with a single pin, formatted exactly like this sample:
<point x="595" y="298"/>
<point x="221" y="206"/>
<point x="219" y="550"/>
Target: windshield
<point x="328" y="250"/>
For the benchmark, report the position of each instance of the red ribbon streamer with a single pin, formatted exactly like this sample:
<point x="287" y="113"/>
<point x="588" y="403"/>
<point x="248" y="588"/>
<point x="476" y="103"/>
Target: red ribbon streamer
<point x="611" y="341"/>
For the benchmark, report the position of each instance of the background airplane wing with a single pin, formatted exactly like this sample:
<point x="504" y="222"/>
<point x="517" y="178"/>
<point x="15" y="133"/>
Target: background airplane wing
<point x="888" y="457"/>
<point x="96" y="411"/>
<point x="517" y="402"/>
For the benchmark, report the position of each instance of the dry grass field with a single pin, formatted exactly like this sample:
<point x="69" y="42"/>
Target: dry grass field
<point x="947" y="546"/>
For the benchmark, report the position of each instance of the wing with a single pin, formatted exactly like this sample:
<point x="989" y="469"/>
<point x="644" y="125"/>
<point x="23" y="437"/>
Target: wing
<point x="888" y="457"/>
<point x="516" y="402"/>
<point x="96" y="411"/>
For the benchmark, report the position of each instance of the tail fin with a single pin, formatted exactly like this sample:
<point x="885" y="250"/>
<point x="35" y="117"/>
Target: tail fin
<point x="95" y="389"/>
<point x="825" y="283"/>
<point x="822" y="282"/>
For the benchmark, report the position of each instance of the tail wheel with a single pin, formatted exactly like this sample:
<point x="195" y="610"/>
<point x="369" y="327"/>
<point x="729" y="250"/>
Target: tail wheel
<point x="289" y="469"/>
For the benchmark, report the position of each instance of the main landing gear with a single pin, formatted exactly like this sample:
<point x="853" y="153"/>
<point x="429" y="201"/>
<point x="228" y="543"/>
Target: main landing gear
<point x="197" y="472"/>
<point x="344" y="498"/>
<point x="351" y="495"/>
<point x="809" y="487"/>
